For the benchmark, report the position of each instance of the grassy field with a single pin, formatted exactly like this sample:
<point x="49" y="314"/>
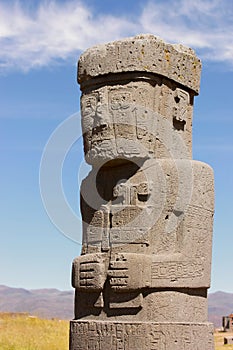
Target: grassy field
<point x="22" y="332"/>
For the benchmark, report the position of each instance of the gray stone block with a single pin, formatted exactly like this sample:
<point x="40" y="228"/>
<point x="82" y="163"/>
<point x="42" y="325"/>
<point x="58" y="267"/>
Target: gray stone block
<point x="142" y="53"/>
<point x="141" y="335"/>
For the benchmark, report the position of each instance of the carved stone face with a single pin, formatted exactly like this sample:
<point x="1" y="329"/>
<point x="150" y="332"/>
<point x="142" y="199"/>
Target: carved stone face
<point x="118" y="122"/>
<point x="135" y="121"/>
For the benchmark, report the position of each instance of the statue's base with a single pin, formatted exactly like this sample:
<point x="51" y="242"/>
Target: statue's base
<point x="122" y="335"/>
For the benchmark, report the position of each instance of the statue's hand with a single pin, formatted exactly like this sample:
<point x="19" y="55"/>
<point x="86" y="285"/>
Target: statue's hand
<point x="89" y="272"/>
<point x="129" y="271"/>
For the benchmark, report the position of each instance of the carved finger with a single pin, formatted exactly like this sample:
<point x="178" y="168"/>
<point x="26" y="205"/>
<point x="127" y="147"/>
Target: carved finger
<point x="122" y="265"/>
<point x="119" y="281"/>
<point x="87" y="275"/>
<point x="87" y="266"/>
<point x="118" y="273"/>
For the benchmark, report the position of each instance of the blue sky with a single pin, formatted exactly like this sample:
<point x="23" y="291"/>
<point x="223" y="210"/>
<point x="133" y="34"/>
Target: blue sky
<point x="40" y="44"/>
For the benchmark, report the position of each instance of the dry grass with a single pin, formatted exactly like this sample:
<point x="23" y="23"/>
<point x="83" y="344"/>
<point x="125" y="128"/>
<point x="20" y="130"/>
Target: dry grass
<point x="21" y="332"/>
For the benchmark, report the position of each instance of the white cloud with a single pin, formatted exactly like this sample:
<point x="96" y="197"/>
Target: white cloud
<point x="57" y="31"/>
<point x="203" y="24"/>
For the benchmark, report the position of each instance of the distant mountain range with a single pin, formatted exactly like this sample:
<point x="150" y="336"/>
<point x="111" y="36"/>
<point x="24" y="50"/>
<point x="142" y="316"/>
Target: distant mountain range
<point x="220" y="304"/>
<point x="45" y="303"/>
<point x="52" y="303"/>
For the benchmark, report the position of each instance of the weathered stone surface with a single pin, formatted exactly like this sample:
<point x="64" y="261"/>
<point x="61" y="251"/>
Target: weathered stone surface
<point x="228" y="340"/>
<point x="142" y="53"/>
<point x="147" y="207"/>
<point x="143" y="118"/>
<point x="163" y="211"/>
<point x="141" y="335"/>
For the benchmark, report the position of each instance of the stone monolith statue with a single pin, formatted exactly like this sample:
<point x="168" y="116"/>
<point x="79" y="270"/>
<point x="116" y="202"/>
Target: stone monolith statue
<point x="147" y="208"/>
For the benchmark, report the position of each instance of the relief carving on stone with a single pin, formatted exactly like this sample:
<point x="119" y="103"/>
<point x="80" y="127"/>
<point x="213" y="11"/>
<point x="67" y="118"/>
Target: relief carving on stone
<point x="147" y="208"/>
